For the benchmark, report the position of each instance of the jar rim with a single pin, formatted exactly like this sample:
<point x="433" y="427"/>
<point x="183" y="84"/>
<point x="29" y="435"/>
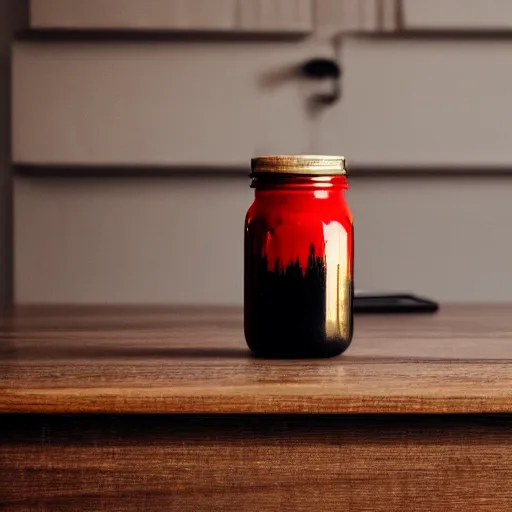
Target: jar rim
<point x="305" y="165"/>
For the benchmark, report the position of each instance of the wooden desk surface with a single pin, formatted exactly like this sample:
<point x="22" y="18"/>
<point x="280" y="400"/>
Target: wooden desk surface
<point x="120" y="361"/>
<point x="165" y="360"/>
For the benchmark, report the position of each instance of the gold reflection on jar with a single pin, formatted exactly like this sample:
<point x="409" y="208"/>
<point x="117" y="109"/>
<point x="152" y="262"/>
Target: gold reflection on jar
<point x="337" y="313"/>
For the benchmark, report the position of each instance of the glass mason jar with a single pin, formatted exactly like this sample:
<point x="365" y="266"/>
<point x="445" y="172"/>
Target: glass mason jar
<point x="298" y="283"/>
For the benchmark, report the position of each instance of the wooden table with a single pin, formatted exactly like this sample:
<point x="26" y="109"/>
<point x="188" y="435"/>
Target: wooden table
<point x="132" y="409"/>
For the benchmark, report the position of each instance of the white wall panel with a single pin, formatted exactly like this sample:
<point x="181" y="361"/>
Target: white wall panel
<point x="136" y="240"/>
<point x="346" y="16"/>
<point x="335" y="16"/>
<point x="275" y="15"/>
<point x="133" y="14"/>
<point x="130" y="240"/>
<point x="405" y="102"/>
<point x="422" y="102"/>
<point x="224" y="15"/>
<point x="158" y="103"/>
<point x="457" y="14"/>
<point x="388" y="13"/>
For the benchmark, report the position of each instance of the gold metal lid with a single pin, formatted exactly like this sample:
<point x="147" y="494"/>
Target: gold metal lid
<point x="311" y="165"/>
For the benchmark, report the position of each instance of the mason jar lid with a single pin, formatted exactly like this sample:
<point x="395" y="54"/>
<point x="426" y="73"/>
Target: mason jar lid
<point x="310" y="165"/>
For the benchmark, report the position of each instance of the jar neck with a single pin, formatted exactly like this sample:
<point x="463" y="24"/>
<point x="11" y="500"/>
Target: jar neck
<point x="279" y="183"/>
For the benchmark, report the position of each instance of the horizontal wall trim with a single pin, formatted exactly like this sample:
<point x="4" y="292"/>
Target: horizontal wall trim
<point x="141" y="35"/>
<point x="108" y="171"/>
<point x="206" y="35"/>
<point x="440" y="35"/>
<point x="49" y="171"/>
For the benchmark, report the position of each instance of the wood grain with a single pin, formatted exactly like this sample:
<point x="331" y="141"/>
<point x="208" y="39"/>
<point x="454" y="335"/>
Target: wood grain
<point x="164" y="360"/>
<point x="256" y="463"/>
<point x="168" y="360"/>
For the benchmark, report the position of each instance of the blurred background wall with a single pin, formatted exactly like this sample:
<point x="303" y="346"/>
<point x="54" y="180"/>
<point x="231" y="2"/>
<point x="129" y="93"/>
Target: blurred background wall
<point x="424" y="119"/>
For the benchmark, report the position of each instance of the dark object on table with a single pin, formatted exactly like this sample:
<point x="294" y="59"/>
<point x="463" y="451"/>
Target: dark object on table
<point x="393" y="304"/>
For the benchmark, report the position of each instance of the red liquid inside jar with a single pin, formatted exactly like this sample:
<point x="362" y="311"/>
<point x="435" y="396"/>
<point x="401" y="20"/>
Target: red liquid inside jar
<point x="298" y="259"/>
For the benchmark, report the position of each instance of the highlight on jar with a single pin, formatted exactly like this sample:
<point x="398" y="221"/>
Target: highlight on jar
<point x="299" y="258"/>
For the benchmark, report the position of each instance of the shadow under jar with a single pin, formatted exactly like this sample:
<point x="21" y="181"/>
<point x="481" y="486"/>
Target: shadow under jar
<point x="299" y="246"/>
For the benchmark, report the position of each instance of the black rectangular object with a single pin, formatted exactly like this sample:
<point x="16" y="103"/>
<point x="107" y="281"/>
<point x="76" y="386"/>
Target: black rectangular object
<point x="393" y="304"/>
